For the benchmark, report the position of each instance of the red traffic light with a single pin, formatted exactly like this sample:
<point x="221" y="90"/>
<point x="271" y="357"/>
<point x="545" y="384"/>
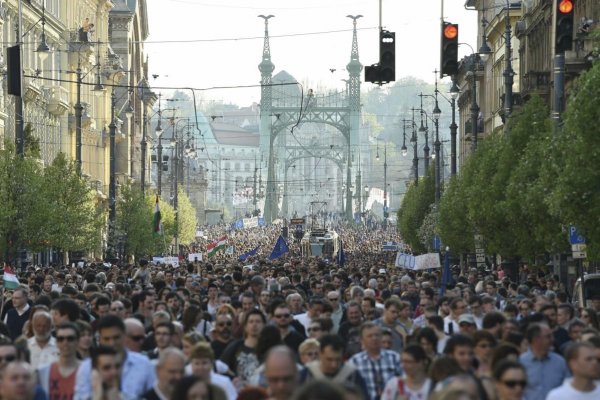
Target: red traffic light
<point x="450" y="31"/>
<point x="565" y="6"/>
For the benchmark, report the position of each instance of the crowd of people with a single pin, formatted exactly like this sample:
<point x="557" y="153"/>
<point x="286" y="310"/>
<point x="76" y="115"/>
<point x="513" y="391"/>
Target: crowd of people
<point x="293" y="328"/>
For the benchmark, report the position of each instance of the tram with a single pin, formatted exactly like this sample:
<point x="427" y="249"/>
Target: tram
<point x="322" y="243"/>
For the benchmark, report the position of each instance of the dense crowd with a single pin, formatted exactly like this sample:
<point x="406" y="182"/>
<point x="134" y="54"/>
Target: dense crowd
<point x="294" y="328"/>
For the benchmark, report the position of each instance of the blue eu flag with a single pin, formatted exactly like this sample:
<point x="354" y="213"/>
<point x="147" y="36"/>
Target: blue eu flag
<point x="280" y="248"/>
<point x="250" y="253"/>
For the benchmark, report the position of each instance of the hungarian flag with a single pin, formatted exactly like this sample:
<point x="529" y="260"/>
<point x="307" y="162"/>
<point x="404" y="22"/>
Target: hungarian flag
<point x="217" y="245"/>
<point x="10" y="279"/>
<point x="156" y="220"/>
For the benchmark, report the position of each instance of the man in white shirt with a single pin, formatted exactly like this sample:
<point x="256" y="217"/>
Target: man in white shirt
<point x="42" y="346"/>
<point x="584" y="365"/>
<point x="315" y="308"/>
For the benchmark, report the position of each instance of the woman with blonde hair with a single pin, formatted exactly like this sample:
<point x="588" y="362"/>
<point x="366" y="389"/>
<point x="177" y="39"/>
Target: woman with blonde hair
<point x="309" y="351"/>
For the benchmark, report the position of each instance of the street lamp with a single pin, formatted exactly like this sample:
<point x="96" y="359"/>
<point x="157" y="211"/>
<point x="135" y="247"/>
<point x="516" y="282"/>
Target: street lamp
<point x="366" y="198"/>
<point x="414" y="141"/>
<point x="454" y="92"/>
<point x="436" y="119"/>
<point x="43" y="49"/>
<point x="385" y="205"/>
<point x="159" y="131"/>
<point x="98" y="90"/>
<point x="425" y="131"/>
<point x="403" y="149"/>
<point x="112" y="187"/>
<point x="475" y="58"/>
<point x="508" y="70"/>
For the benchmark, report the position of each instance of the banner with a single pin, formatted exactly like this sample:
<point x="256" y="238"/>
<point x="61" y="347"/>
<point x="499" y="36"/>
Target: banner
<point x="174" y="261"/>
<point x="195" y="257"/>
<point x="417" y="263"/>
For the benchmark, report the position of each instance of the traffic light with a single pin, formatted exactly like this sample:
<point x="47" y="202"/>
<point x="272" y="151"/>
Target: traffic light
<point x="564" y="26"/>
<point x="13" y="70"/>
<point x="385" y="70"/>
<point x="372" y="73"/>
<point x="449" y="50"/>
<point x="387" y="56"/>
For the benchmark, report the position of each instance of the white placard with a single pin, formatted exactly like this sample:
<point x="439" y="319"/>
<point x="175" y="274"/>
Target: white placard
<point x="195" y="256"/>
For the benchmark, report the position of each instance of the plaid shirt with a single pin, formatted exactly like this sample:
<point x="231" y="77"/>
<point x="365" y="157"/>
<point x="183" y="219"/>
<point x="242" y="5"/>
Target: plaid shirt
<point x="377" y="372"/>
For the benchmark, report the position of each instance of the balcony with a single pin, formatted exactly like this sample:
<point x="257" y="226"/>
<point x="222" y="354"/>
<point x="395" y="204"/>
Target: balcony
<point x="536" y="83"/>
<point x="58" y="103"/>
<point x="32" y="87"/>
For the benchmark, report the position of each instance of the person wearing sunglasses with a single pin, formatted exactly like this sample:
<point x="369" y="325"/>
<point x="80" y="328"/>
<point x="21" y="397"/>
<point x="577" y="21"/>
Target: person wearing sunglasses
<point x="58" y="378"/>
<point x="8" y="352"/>
<point x="221" y="334"/>
<point x="510" y="380"/>
<point x="282" y="318"/>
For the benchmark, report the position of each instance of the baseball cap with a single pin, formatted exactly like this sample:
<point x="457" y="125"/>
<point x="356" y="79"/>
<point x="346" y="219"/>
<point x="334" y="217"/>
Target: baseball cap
<point x="466" y="318"/>
<point x="382" y="271"/>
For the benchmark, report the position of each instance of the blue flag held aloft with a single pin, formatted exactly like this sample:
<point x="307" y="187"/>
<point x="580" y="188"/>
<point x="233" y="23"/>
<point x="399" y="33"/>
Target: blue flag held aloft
<point x="280" y="248"/>
<point x="250" y="253"/>
<point x="341" y="257"/>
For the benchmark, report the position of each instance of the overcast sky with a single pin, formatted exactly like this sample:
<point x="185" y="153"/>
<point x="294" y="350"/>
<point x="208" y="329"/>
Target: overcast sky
<point x="189" y="43"/>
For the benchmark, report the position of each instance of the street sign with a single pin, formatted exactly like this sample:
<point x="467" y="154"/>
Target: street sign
<point x="578" y="247"/>
<point x="579" y="254"/>
<point x="479" y="251"/>
<point x="574" y="236"/>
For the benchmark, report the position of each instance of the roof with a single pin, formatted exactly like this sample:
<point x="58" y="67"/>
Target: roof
<point x="229" y="134"/>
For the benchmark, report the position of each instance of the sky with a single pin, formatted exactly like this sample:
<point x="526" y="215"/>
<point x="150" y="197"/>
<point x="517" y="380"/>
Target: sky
<point x="206" y="44"/>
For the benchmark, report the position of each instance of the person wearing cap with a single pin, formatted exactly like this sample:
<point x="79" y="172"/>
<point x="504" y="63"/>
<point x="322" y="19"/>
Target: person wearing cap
<point x="466" y="324"/>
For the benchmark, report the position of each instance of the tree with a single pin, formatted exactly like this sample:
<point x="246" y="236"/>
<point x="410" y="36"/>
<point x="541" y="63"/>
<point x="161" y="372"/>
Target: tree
<point x="135" y="214"/>
<point x="575" y="198"/>
<point x="415" y="206"/>
<point x="187" y="219"/>
<point x="454" y="226"/>
<point x="73" y="221"/>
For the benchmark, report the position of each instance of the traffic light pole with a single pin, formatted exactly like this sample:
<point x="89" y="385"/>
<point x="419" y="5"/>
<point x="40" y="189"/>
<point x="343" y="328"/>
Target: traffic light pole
<point x="559" y="88"/>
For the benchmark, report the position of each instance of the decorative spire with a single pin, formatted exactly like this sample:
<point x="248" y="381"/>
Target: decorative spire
<point x="266" y="66"/>
<point x="354" y="66"/>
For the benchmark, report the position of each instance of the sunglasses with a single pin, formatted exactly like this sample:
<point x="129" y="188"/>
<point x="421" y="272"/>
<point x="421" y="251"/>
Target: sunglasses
<point x="512" y="384"/>
<point x="224" y="323"/>
<point x="70" y="339"/>
<point x="8" y="358"/>
<point x="334" y="298"/>
<point x="282" y="315"/>
<point x="137" y="338"/>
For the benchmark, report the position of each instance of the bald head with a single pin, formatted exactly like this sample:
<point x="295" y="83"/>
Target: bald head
<point x="134" y="334"/>
<point x="281" y="372"/>
<point x="42" y="326"/>
<point x="170" y="354"/>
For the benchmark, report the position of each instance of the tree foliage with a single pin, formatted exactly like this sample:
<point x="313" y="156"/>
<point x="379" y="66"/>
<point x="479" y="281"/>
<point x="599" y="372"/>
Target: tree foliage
<point x="187" y="219"/>
<point x="135" y="214"/>
<point x="575" y="196"/>
<point x="413" y="210"/>
<point x="50" y="207"/>
<point x="503" y="189"/>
